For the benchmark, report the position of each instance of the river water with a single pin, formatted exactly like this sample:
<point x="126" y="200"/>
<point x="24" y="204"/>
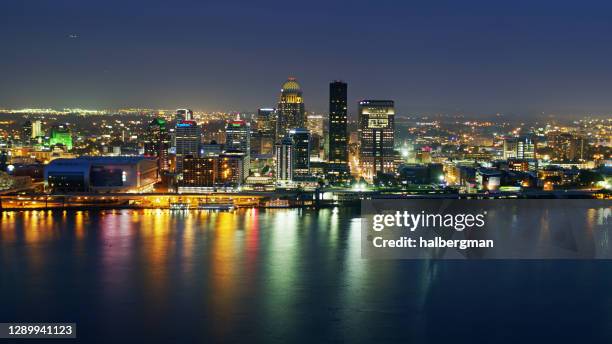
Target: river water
<point x="285" y="275"/>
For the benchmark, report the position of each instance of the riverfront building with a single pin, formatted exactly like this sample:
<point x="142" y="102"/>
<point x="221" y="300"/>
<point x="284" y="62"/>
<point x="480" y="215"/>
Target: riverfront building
<point x="376" y="137"/>
<point x="101" y="174"/>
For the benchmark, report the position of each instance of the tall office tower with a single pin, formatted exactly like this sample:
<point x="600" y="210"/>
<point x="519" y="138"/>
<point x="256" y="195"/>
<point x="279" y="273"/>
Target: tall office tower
<point x="265" y="129"/>
<point x="37" y="129"/>
<point x="26" y="132"/>
<point x="301" y="152"/>
<point x="238" y="137"/>
<point x="187" y="135"/>
<point x="337" y="133"/>
<point x="184" y="115"/>
<point x="157" y="143"/>
<point x="60" y="135"/>
<point x="290" y="111"/>
<point x="284" y="155"/>
<point x="376" y="137"/>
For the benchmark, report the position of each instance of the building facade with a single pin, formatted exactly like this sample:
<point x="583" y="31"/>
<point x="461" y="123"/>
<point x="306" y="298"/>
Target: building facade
<point x="284" y="156"/>
<point x="523" y="147"/>
<point x="158" y="142"/>
<point x="61" y="135"/>
<point x="376" y="137"/>
<point x="101" y="174"/>
<point x="264" y="132"/>
<point x="566" y="147"/>
<point x="238" y="137"/>
<point x="290" y="110"/>
<point x="337" y="142"/>
<point x="300" y="138"/>
<point x="199" y="171"/>
<point x="230" y="169"/>
<point x="187" y="136"/>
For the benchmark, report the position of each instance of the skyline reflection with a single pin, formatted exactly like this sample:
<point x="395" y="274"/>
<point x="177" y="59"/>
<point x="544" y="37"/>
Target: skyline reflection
<point x="265" y="275"/>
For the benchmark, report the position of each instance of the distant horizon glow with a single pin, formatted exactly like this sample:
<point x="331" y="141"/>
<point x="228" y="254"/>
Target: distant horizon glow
<point x="476" y="58"/>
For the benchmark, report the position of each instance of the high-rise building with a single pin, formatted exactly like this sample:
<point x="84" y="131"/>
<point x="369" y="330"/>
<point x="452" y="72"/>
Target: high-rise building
<point x="37" y="129"/>
<point x="266" y="121"/>
<point x="337" y="154"/>
<point x="187" y="136"/>
<point x="376" y="137"/>
<point x="290" y="111"/>
<point x="300" y="138"/>
<point x="238" y="137"/>
<point x="26" y="132"/>
<point x="264" y="132"/>
<point x="523" y="147"/>
<point x="184" y="115"/>
<point x="284" y="155"/>
<point x="158" y="142"/>
<point x="61" y="135"/>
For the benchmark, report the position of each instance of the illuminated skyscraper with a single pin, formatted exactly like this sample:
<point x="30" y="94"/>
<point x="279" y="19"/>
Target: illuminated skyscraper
<point x="284" y="156"/>
<point x="26" y="132"/>
<point x="376" y="137"/>
<point x="37" y="129"/>
<point x="337" y="132"/>
<point x="187" y="137"/>
<point x="157" y="143"/>
<point x="290" y="109"/>
<point x="266" y="121"/>
<point x="238" y="137"/>
<point x="301" y="152"/>
<point x="264" y="132"/>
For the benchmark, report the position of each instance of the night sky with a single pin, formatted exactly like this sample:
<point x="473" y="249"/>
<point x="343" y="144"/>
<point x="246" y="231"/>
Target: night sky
<point x="472" y="57"/>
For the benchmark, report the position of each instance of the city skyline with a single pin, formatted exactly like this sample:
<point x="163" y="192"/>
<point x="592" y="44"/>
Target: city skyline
<point x="305" y="171"/>
<point x="477" y="57"/>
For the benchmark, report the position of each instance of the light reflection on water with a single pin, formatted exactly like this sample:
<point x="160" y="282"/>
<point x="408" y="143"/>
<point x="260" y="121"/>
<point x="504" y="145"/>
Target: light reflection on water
<point x="274" y="275"/>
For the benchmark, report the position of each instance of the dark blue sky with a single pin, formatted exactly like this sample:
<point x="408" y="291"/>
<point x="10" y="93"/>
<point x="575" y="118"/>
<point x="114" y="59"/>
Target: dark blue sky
<point x="474" y="57"/>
